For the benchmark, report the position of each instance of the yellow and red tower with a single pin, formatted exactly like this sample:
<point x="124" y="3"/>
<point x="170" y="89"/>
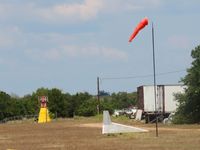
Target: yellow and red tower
<point x="44" y="113"/>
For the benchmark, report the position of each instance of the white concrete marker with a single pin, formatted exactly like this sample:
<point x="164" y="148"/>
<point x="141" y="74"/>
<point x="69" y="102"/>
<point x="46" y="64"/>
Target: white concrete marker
<point x="111" y="127"/>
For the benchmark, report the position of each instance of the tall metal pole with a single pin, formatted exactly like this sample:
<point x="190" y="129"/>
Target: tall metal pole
<point x="154" y="75"/>
<point x="98" y="97"/>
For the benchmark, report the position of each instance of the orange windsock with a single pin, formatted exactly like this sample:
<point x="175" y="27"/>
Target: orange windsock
<point x="139" y="27"/>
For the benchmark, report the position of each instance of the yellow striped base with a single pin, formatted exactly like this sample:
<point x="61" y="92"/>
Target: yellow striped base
<point x="44" y="116"/>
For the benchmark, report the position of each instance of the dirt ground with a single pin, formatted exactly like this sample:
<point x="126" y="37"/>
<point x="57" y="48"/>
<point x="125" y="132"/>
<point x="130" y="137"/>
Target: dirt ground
<point x="83" y="134"/>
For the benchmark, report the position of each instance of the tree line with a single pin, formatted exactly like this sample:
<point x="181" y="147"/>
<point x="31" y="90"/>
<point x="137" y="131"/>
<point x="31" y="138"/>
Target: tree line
<point x="62" y="104"/>
<point x="189" y="102"/>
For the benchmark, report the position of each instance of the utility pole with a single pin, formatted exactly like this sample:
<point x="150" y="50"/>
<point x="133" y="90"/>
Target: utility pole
<point x="98" y="97"/>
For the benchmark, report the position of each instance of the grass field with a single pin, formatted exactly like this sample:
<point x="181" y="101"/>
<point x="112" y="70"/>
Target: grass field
<point x="85" y="134"/>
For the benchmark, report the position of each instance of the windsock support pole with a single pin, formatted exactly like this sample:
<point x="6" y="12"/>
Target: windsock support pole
<point x="154" y="76"/>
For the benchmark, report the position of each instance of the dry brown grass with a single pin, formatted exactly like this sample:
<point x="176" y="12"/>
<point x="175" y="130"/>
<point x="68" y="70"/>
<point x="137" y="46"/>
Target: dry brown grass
<point x="80" y="134"/>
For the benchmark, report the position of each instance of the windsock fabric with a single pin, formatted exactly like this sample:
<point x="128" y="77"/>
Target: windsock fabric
<point x="139" y="27"/>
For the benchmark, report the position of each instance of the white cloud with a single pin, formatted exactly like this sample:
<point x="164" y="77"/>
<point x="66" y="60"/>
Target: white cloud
<point x="16" y="38"/>
<point x="52" y="46"/>
<point x="130" y="5"/>
<point x="179" y="41"/>
<point x="87" y="10"/>
<point x="94" y="51"/>
<point x="77" y="52"/>
<point x="61" y="12"/>
<point x="70" y="12"/>
<point x="10" y="36"/>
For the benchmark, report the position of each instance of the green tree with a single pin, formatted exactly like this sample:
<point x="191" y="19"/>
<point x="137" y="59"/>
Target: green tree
<point x="87" y="108"/>
<point x="107" y="104"/>
<point x="5" y="100"/>
<point x="189" y="103"/>
<point x="123" y="100"/>
<point x="58" y="103"/>
<point x="42" y="91"/>
<point x="77" y="101"/>
<point x="30" y="104"/>
<point x="118" y="100"/>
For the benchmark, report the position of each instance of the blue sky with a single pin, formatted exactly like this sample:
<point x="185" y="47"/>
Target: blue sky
<point x="66" y="44"/>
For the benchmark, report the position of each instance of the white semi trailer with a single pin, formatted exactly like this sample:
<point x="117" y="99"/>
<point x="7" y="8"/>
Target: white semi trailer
<point x="165" y="103"/>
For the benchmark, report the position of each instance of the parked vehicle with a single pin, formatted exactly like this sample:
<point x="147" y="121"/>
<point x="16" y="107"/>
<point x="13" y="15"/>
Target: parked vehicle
<point x="169" y="119"/>
<point x="129" y="112"/>
<point x="118" y="113"/>
<point x="165" y="101"/>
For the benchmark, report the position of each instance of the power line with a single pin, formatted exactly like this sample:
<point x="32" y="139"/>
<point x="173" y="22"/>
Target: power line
<point x="142" y="76"/>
